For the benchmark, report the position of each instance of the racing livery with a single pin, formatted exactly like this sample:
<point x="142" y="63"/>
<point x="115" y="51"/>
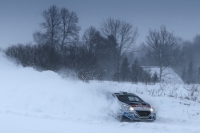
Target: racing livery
<point x="133" y="108"/>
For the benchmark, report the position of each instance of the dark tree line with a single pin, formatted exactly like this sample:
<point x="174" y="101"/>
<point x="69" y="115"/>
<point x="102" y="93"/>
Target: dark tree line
<point x="135" y="73"/>
<point x="45" y="57"/>
<point x="103" y="53"/>
<point x="190" y="67"/>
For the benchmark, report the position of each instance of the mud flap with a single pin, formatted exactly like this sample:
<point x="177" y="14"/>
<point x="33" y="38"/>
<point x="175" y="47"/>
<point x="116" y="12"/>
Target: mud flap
<point x="130" y="116"/>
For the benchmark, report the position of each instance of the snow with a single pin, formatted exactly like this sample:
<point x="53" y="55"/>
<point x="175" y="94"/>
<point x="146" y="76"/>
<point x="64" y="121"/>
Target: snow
<point x="45" y="102"/>
<point x="168" y="74"/>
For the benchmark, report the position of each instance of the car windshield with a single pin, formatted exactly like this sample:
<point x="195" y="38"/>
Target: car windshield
<point x="129" y="98"/>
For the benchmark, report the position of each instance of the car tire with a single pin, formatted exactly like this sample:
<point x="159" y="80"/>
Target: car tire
<point x="124" y="119"/>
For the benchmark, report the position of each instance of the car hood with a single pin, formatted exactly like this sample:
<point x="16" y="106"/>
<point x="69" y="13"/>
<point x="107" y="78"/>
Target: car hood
<point x="139" y="105"/>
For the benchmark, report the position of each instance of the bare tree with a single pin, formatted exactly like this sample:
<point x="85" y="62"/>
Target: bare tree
<point x="52" y="24"/>
<point x="124" y="33"/>
<point x="40" y="38"/>
<point x="90" y="38"/>
<point x="69" y="27"/>
<point x="163" y="48"/>
<point x="60" y="27"/>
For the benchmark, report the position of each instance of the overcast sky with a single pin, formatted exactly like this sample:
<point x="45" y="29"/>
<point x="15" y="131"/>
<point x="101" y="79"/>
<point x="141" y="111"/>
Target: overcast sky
<point x="20" y="18"/>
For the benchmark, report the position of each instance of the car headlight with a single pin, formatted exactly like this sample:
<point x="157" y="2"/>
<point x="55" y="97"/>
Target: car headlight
<point x="127" y="107"/>
<point x="152" y="110"/>
<point x="131" y="108"/>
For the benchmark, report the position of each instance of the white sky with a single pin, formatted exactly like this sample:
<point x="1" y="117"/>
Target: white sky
<point x="20" y="18"/>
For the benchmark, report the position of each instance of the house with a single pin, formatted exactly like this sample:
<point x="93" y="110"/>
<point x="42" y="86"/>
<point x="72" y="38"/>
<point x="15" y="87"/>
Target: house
<point x="168" y="74"/>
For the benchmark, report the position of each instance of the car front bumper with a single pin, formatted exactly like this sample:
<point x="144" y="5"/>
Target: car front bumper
<point x="134" y="116"/>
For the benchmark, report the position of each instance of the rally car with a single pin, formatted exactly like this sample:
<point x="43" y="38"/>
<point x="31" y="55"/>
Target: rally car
<point x="133" y="108"/>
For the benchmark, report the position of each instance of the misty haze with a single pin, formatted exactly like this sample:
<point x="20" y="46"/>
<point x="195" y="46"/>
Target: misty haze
<point x="61" y="61"/>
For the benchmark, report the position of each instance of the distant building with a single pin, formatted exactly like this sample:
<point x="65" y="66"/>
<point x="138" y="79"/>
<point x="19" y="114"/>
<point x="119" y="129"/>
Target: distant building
<point x="168" y="75"/>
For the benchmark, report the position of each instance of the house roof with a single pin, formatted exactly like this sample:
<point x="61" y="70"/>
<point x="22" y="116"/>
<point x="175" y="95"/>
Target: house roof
<point x="168" y="74"/>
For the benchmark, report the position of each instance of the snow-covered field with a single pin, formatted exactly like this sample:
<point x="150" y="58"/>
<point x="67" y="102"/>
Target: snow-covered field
<point x="44" y="102"/>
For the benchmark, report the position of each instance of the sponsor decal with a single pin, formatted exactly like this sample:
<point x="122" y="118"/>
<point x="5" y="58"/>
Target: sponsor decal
<point x="140" y="105"/>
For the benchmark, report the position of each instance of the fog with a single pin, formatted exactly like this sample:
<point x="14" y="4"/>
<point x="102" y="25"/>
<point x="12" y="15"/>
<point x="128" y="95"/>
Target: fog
<point x="20" y="19"/>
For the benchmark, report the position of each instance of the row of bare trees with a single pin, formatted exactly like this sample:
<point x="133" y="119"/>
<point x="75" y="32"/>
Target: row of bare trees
<point x="101" y="52"/>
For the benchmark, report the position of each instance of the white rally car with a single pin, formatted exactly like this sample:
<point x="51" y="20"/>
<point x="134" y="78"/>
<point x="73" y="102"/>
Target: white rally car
<point x="133" y="108"/>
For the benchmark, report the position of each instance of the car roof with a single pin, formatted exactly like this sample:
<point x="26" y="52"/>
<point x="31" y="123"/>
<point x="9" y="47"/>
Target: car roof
<point x="117" y="94"/>
<point x="124" y="93"/>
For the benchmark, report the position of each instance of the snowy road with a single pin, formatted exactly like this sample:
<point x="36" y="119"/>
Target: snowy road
<point x="15" y="123"/>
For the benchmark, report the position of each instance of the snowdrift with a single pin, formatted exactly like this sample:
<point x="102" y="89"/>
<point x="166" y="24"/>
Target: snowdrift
<point x="45" y="98"/>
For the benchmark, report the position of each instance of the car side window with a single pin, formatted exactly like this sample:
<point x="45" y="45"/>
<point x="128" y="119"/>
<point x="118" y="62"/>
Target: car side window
<point x="137" y="99"/>
<point x="131" y="98"/>
<point x="134" y="99"/>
